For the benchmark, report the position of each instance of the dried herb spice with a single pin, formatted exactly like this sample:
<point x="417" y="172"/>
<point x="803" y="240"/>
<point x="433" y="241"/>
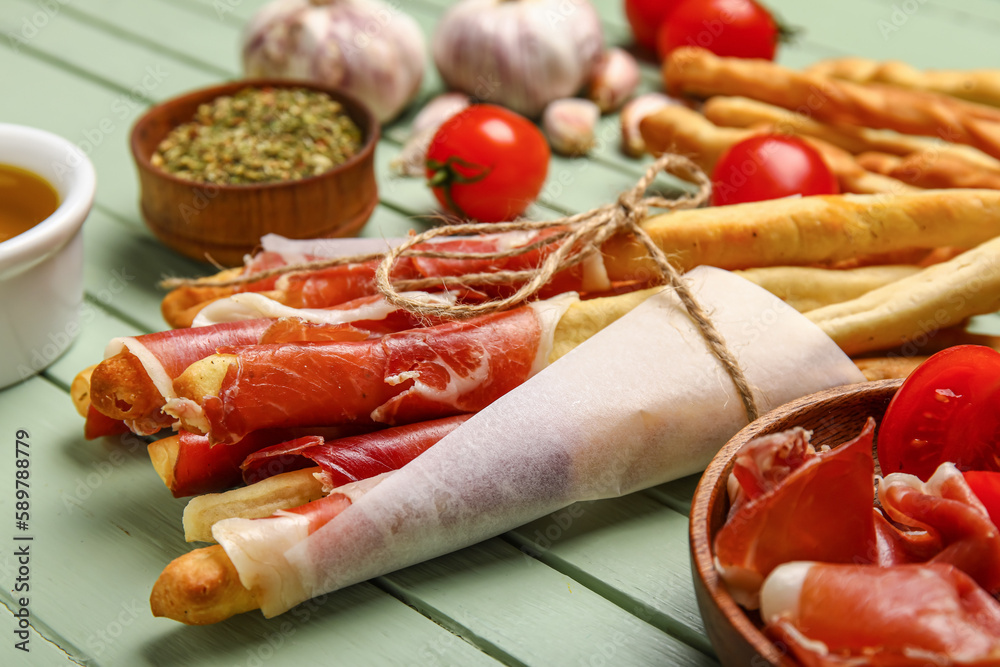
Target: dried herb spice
<point x="260" y="135"/>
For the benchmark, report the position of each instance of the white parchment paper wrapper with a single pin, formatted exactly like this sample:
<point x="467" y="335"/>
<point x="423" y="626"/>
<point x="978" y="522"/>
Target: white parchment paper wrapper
<point x="641" y="403"/>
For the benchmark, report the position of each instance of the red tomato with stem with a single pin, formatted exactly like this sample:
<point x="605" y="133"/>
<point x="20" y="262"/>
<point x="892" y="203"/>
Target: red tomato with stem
<point x="646" y="17"/>
<point x="770" y="166"/>
<point x="948" y="409"/>
<point x="487" y="163"/>
<point x="986" y="486"/>
<point x="734" y="28"/>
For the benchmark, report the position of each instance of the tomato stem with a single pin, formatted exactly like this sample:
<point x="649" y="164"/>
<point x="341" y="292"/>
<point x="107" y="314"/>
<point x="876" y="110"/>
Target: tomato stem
<point x="444" y="175"/>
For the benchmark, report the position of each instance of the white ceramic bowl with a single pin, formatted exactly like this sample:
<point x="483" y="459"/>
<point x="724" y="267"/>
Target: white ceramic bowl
<point x="41" y="270"/>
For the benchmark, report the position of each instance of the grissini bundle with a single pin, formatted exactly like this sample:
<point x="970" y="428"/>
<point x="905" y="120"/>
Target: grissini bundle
<point x="977" y="85"/>
<point x="744" y="112"/>
<point x="681" y="130"/>
<point x="695" y="71"/>
<point x="601" y="424"/>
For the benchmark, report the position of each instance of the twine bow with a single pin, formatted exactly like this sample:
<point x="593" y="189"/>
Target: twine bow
<point x="567" y="242"/>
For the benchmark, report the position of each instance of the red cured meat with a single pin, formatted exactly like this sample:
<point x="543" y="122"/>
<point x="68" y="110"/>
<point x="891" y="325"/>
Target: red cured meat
<point x="320" y="512"/>
<point x="949" y="521"/>
<point x="353" y="458"/>
<point x="204" y="468"/>
<point x="823" y="495"/>
<point x="913" y="615"/>
<point x="402" y="377"/>
<point x="176" y="349"/>
<point x="98" y="425"/>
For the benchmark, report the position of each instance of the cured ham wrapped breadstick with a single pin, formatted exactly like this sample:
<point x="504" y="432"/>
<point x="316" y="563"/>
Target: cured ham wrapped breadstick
<point x="695" y="71"/>
<point x="682" y="130"/>
<point x="403" y="377"/>
<point x="907" y="615"/>
<point x="979" y="85"/>
<point x="136" y="378"/>
<point x="330" y="286"/>
<point x="744" y="112"/>
<point x="598" y="423"/>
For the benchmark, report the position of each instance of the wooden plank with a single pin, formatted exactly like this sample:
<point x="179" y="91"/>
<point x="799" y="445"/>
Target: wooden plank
<point x="101" y="505"/>
<point x="545" y="618"/>
<point x="632" y="550"/>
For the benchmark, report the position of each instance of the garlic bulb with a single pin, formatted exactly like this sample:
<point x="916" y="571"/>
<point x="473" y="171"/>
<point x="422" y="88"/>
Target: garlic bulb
<point x="614" y="79"/>
<point x="522" y="54"/>
<point x="570" y="125"/>
<point x="367" y="48"/>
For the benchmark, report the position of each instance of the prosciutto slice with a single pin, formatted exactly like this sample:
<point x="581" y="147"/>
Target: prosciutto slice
<point x="350" y="459"/>
<point x="400" y="378"/>
<point x="907" y="615"/>
<point x="191" y="466"/>
<point x="942" y="517"/>
<point x="797" y="504"/>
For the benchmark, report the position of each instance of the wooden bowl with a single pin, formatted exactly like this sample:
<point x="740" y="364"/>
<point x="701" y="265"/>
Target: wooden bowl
<point x="834" y="416"/>
<point x="225" y="222"/>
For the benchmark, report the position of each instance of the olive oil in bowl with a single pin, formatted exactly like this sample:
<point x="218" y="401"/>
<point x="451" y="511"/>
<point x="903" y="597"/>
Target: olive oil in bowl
<point x="25" y="200"/>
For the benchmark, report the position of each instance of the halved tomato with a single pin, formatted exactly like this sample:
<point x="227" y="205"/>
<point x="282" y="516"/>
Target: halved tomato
<point x="948" y="409"/>
<point x="986" y="485"/>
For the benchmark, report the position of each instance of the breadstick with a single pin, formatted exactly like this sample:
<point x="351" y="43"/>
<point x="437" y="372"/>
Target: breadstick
<point x="809" y="230"/>
<point x="807" y="288"/>
<point x="980" y="85"/>
<point x="908" y="309"/>
<point x="929" y="169"/>
<point x="264" y="498"/>
<point x="180" y="306"/>
<point x="200" y="588"/>
<point x="888" y="368"/>
<point x="743" y="112"/>
<point x="695" y="71"/>
<point x="79" y="390"/>
<point x="681" y="130"/>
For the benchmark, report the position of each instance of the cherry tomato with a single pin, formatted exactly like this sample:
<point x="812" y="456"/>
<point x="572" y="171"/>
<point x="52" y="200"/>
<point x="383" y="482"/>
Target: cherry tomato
<point x="948" y="409"/>
<point x="736" y="28"/>
<point x="986" y="486"/>
<point x="767" y="166"/>
<point x="646" y="17"/>
<point x="487" y="163"/>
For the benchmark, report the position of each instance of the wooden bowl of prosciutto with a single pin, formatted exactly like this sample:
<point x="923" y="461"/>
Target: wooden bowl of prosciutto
<point x="834" y="417"/>
<point x="807" y="552"/>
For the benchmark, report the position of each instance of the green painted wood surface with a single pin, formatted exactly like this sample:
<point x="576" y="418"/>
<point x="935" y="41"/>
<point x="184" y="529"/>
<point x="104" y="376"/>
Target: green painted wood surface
<point x="597" y="584"/>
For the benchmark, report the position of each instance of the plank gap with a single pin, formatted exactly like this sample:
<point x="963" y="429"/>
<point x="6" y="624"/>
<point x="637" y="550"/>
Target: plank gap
<point x="626" y="602"/>
<point x="46" y="633"/>
<point x="451" y="625"/>
<point x="125" y="35"/>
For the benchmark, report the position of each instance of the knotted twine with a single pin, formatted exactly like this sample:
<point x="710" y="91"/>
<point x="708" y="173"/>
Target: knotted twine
<point x="574" y="239"/>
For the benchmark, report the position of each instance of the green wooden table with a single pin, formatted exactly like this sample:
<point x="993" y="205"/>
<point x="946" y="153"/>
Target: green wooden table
<point x="604" y="583"/>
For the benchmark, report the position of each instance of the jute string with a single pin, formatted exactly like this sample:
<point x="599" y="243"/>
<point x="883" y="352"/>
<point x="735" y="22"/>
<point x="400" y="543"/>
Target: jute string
<point x="568" y="241"/>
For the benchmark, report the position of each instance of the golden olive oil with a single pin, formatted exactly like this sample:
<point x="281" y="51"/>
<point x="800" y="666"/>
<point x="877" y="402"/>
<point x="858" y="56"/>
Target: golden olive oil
<point x="25" y="200"/>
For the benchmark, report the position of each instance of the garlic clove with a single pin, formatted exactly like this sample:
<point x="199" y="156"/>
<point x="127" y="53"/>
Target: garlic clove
<point x="614" y="79"/>
<point x="411" y="159"/>
<point x="633" y="113"/>
<point x="570" y="125"/>
<point x="438" y="110"/>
